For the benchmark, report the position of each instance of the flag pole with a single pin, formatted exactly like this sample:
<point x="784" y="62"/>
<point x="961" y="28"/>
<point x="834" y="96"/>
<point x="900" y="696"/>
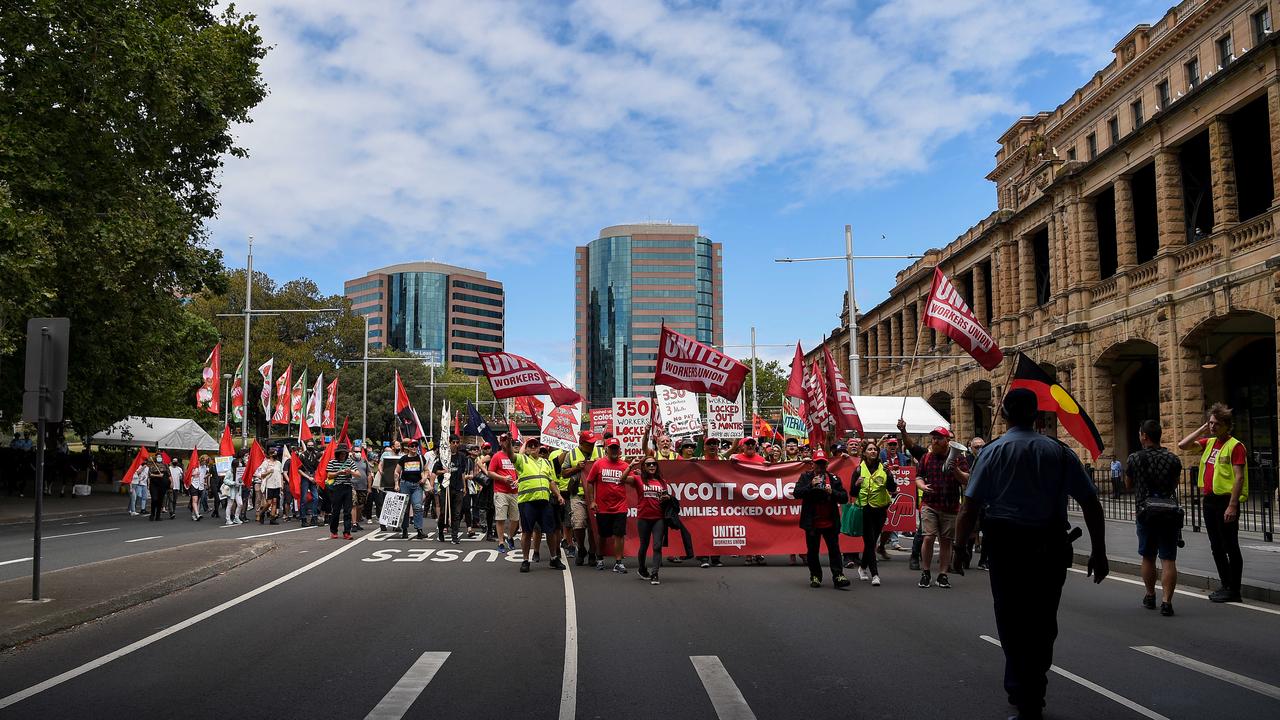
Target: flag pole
<point x="915" y="352"/>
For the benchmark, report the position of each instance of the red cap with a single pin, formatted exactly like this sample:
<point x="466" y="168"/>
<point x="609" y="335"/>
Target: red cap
<point x="488" y="445"/>
<point x="613" y="442"/>
<point x="819" y="455"/>
<point x="587" y="436"/>
<point x="941" y="432"/>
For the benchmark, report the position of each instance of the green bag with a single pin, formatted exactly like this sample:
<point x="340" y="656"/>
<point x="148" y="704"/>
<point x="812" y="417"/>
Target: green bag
<point x="851" y="520"/>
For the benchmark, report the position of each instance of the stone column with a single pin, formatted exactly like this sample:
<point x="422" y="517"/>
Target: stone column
<point x="1087" y="242"/>
<point x="1126" y="233"/>
<point x="980" y="295"/>
<point x="1273" y="122"/>
<point x="1026" y="273"/>
<point x="910" y="327"/>
<point x="1222" y="169"/>
<point x="873" y="345"/>
<point x="1171" y="211"/>
<point x="882" y="344"/>
<point x="863" y="363"/>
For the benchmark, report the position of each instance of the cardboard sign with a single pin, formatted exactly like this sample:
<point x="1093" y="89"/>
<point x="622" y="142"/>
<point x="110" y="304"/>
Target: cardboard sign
<point x="630" y="418"/>
<point x="679" y="410"/>
<point x="724" y="418"/>
<point x="222" y="465"/>
<point x="601" y="420"/>
<point x="560" y="426"/>
<point x="392" y="509"/>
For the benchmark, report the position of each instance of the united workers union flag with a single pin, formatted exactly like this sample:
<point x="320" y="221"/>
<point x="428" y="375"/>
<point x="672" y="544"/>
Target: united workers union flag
<point x="686" y="364"/>
<point x="513" y="376"/>
<point x="950" y="315"/>
<point x="1052" y="397"/>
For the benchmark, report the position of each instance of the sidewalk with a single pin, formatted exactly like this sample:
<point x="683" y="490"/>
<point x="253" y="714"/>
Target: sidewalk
<point x="1196" y="568"/>
<point x="87" y="592"/>
<point x="16" y="510"/>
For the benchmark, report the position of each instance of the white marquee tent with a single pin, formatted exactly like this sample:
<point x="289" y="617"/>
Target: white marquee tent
<point x="167" y="433"/>
<point x="879" y="414"/>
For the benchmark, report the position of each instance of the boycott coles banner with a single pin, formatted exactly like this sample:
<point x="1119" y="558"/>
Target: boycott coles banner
<point x="680" y="414"/>
<point x="724" y="418"/>
<point x="630" y="419"/>
<point x="601" y="420"/>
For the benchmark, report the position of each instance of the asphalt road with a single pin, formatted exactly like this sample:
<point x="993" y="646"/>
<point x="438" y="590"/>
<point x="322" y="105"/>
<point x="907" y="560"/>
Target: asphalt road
<point x="334" y="639"/>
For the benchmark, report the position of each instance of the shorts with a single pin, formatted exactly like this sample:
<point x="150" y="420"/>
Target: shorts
<point x="505" y="507"/>
<point x="611" y="524"/>
<point x="578" y="513"/>
<point x="1157" y="541"/>
<point x="538" y="515"/>
<point x="935" y="523"/>
<point x="273" y="493"/>
<point x="362" y="498"/>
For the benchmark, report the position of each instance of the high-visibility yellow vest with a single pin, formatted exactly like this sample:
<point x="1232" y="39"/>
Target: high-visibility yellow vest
<point x="1224" y="473"/>
<point x="873" y="491"/>
<point x="534" y="481"/>
<point x="576" y="456"/>
<point x="561" y="482"/>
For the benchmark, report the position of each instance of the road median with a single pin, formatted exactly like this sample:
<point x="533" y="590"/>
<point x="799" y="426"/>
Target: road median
<point x="87" y="592"/>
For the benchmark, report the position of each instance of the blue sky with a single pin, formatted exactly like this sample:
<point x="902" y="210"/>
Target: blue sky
<point x="499" y="135"/>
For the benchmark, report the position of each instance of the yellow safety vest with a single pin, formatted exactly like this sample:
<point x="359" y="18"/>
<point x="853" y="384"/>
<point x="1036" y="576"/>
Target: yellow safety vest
<point x="1224" y="473"/>
<point x="872" y="492"/>
<point x="534" y="481"/>
<point x="576" y="456"/>
<point x="561" y="482"/>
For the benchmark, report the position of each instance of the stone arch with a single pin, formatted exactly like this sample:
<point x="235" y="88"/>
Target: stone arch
<point x="941" y="402"/>
<point x="1128" y="373"/>
<point x="977" y="403"/>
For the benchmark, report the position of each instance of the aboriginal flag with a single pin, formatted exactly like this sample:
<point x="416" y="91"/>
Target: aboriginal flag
<point x="410" y="428"/>
<point x="1052" y="397"/>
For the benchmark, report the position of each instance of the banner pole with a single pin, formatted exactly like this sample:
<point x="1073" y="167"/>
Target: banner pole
<point x="915" y="352"/>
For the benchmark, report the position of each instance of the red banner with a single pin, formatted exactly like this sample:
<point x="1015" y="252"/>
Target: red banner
<point x="686" y="364"/>
<point x="839" y="400"/>
<point x="281" y="416"/>
<point x="330" y="417"/>
<point x="209" y="397"/>
<point x="513" y="376"/>
<point x="949" y="314"/>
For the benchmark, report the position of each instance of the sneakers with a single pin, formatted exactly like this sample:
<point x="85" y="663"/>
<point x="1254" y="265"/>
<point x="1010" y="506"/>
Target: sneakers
<point x="333" y="536"/>
<point x="704" y="564"/>
<point x="228" y="523"/>
<point x="925" y="580"/>
<point x="717" y="563"/>
<point x="1149" y="602"/>
<point x="914" y="564"/>
<point x="653" y="579"/>
<point x="556" y="564"/>
<point x="677" y="560"/>
<point x="643" y="573"/>
<point x="943" y="582"/>
<point x="524" y="566"/>
<point x="620" y="568"/>
<point x="503" y="549"/>
<point x="1166" y="609"/>
<point x="815" y="581"/>
<point x="537" y="557"/>
<point x="875" y="581"/>
<point x="840" y="581"/>
<point x="1224" y="596"/>
<point x="571" y="551"/>
<point x="851" y="565"/>
<point x="346" y="536"/>
<point x="863" y="574"/>
<point x="600" y="564"/>
<point x="420" y="536"/>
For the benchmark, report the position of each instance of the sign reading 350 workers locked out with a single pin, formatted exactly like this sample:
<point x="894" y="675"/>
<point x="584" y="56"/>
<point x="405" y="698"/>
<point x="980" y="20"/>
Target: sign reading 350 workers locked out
<point x="630" y="419"/>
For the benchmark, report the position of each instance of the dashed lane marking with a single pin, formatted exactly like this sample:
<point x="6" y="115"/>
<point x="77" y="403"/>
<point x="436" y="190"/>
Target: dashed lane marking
<point x="408" y="688"/>
<point x="151" y="537"/>
<point x="277" y="532"/>
<point x="1212" y="671"/>
<point x="1188" y="593"/>
<point x="83" y="532"/>
<point x="725" y="696"/>
<point x="11" y="562"/>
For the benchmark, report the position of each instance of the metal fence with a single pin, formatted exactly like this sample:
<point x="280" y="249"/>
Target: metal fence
<point x="1257" y="513"/>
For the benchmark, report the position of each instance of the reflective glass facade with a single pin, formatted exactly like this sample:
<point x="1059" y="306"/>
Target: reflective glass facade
<point x="417" y="319"/>
<point x="609" y="320"/>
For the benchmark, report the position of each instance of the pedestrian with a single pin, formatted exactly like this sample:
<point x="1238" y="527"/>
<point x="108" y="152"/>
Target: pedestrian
<point x="607" y="497"/>
<point x="1154" y="472"/>
<point x="451" y="486"/>
<point x="672" y="509"/>
<point x="506" y="512"/>
<point x="747" y="452"/>
<point x="1022" y="480"/>
<point x="1224" y="479"/>
<point x="233" y="491"/>
<point x="1117" y="478"/>
<point x="710" y="451"/>
<point x="472" y="511"/>
<point x="873" y="483"/>
<point x="175" y="486"/>
<point x="821" y="494"/>
<point x="792" y="451"/>
<point x="361" y="481"/>
<point x="340" y="479"/>
<point x="941" y="476"/>
<point x="410" y="471"/>
<point x="653" y="493"/>
<point x="138" y="490"/>
<point x="271" y="475"/>
<point x="158" y="479"/>
<point x="308" y="489"/>
<point x="199" y="473"/>
<point x="535" y="491"/>
<point x="583" y="535"/>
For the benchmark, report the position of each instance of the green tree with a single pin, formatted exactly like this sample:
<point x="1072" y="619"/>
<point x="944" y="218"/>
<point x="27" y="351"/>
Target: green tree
<point x="771" y="385"/>
<point x="115" y="117"/>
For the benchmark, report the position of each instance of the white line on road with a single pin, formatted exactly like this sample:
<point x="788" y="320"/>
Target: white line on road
<point x="1144" y="711"/>
<point x="399" y="698"/>
<point x="82" y="522"/>
<point x="10" y="562"/>
<point x="1187" y="593"/>
<point x="725" y="696"/>
<point x="569" y="684"/>
<point x="85" y="532"/>
<point x="156" y="637"/>
<point x="277" y="532"/>
<point x="1247" y="683"/>
<point x="152" y="537"/>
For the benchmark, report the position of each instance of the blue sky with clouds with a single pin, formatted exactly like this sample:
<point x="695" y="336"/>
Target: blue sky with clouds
<point x="499" y="135"/>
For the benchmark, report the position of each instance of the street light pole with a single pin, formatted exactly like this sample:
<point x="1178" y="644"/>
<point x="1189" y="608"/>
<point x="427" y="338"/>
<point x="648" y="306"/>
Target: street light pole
<point x="755" y="403"/>
<point x="248" y="314"/>
<point x="364" y="398"/>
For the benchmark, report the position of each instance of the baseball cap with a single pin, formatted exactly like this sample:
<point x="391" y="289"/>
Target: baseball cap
<point x="819" y="455"/>
<point x="488" y="445"/>
<point x="587" y="436"/>
<point x="688" y="442"/>
<point x="534" y="440"/>
<point x="613" y="442"/>
<point x="941" y="432"/>
<point x="746" y="440"/>
<point x="891" y="441"/>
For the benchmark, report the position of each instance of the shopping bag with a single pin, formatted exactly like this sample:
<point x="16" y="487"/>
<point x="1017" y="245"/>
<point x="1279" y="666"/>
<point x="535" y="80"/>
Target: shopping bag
<point x="851" y="520"/>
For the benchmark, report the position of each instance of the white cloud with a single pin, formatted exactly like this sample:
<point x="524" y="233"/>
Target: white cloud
<point x="453" y="128"/>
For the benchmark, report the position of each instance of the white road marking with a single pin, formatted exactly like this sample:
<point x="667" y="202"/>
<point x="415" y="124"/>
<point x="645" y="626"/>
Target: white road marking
<point x="1188" y="593"/>
<point x="1247" y="683"/>
<point x="152" y="537"/>
<point x="269" y="534"/>
<point x="174" y="629"/>
<point x="10" y="562"/>
<point x="82" y="522"/>
<point x="84" y="532"/>
<point x="725" y="696"/>
<point x="1264" y="548"/>
<point x="1143" y="711"/>
<point x="569" y="683"/>
<point x="401" y="696"/>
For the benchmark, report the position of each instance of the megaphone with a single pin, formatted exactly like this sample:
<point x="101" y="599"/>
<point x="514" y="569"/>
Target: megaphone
<point x="955" y="451"/>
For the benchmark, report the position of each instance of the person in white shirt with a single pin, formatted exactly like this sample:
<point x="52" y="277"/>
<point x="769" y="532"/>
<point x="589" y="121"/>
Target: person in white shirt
<point x="271" y="474"/>
<point x="175" y="486"/>
<point x="233" y="485"/>
<point x="138" y="491"/>
<point x="199" y="474"/>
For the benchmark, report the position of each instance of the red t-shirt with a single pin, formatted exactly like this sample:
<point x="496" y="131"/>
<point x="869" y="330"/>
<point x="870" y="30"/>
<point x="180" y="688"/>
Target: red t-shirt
<point x="611" y="492"/>
<point x="824" y="515"/>
<point x="1238" y="457"/>
<point x="756" y="459"/>
<point x="650" y="508"/>
<point x="503" y="472"/>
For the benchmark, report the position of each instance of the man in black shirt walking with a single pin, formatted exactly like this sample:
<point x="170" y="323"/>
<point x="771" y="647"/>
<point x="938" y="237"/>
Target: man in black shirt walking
<point x="1153" y="471"/>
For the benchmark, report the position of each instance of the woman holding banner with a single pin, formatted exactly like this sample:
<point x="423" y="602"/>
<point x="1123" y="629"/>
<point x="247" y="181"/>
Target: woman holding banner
<point x="873" y="482"/>
<point x="821" y="494"/>
<point x="650" y="523"/>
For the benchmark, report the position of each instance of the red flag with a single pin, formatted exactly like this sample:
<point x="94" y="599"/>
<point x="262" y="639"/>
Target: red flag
<point x="342" y="436"/>
<point x="164" y="457"/>
<point x="191" y="465"/>
<point x="281" y="416"/>
<point x="226" y="446"/>
<point x="530" y="406"/>
<point x="686" y="364"/>
<point x="410" y="427"/>
<point x="839" y="401"/>
<point x="304" y="434"/>
<point x="514" y="431"/>
<point x="949" y="314"/>
<point x="256" y="456"/>
<point x="795" y="385"/>
<point x="457" y="425"/>
<point x="237" y="394"/>
<point x="138" y="459"/>
<point x="209" y="396"/>
<point x="295" y="474"/>
<point x="513" y="376"/>
<point x="762" y="428"/>
<point x="818" y="417"/>
<point x="330" y="417"/>
<point x="315" y="403"/>
<point x="322" y="469"/>
<point x="1052" y="397"/>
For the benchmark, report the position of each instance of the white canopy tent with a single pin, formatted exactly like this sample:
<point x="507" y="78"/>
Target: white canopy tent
<point x="879" y="414"/>
<point x="166" y="433"/>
